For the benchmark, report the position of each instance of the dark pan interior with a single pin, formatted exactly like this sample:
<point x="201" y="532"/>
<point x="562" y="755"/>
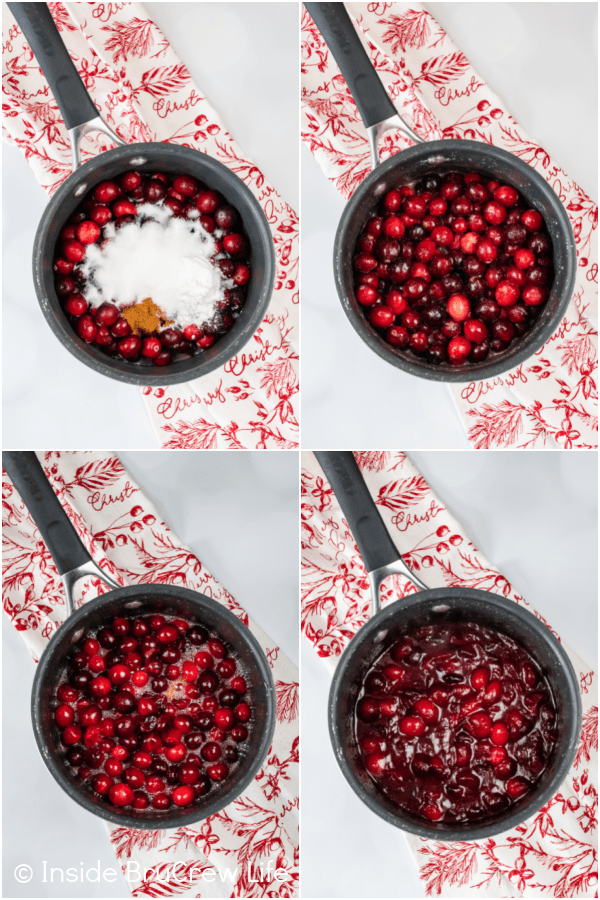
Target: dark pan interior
<point x="458" y="156"/>
<point x="462" y="605"/>
<point x="167" y="600"/>
<point x="172" y="159"/>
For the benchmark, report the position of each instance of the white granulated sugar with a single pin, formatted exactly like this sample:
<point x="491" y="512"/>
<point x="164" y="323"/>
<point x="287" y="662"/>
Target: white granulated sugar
<point x="165" y="258"/>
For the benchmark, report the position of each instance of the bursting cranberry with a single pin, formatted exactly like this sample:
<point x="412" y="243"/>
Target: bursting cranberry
<point x="160" y="747"/>
<point x="459" y="237"/>
<point x="461" y="733"/>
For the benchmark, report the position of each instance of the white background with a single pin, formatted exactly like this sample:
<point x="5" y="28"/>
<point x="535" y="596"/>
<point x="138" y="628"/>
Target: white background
<point x="541" y="58"/>
<point x="244" y="57"/>
<point x="238" y="512"/>
<point x="534" y="516"/>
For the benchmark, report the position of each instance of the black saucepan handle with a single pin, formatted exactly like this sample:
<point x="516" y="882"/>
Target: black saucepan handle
<point x="59" y="536"/>
<point x="368" y="529"/>
<point x="339" y="34"/>
<point x="37" y="25"/>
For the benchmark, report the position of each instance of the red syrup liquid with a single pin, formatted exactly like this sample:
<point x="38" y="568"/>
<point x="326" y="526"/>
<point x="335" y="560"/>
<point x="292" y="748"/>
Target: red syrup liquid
<point x="455" y="722"/>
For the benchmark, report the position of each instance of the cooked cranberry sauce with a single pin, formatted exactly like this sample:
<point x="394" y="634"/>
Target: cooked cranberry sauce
<point x="152" y="712"/>
<point x="455" y="722"/>
<point x="117" y="203"/>
<point x="453" y="268"/>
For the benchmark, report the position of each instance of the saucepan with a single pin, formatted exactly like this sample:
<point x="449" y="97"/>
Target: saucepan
<point x="427" y="606"/>
<point x="80" y="117"/>
<point x="73" y="562"/>
<point x="425" y="158"/>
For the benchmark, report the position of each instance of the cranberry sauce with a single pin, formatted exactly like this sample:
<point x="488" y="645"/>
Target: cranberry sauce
<point x="152" y="712"/>
<point x="455" y="722"/>
<point x="113" y="204"/>
<point x="453" y="268"/>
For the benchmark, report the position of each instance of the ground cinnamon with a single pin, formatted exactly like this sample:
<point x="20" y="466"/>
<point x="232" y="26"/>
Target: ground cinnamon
<point x="145" y="316"/>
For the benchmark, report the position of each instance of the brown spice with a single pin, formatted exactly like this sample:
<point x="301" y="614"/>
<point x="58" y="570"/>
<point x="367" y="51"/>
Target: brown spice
<point x="145" y="316"/>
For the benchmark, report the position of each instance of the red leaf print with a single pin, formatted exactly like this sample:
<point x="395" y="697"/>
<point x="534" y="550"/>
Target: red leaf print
<point x="98" y="474"/>
<point x="411" y="29"/>
<point x="401" y="494"/>
<point x="443" y="68"/>
<point x="578" y="353"/>
<point x="475" y="575"/>
<point x="125" y="839"/>
<point x="61" y="17"/>
<point x="167" y="879"/>
<point x="198" y="435"/>
<point x="279" y="378"/>
<point x="133" y="38"/>
<point x="287" y="701"/>
<point x="164" y="80"/>
<point x="589" y="736"/>
<point x="375" y="460"/>
<point x="496" y="425"/>
<point x="449" y="864"/>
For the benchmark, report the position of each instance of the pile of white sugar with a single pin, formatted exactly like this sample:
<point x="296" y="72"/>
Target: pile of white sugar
<point x="164" y="258"/>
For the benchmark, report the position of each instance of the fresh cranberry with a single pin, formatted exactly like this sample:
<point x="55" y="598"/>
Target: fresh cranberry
<point x="120" y="329"/>
<point x="459" y="307"/>
<point x="87" y="233"/>
<point x="532" y="220"/>
<point x="475" y="330"/>
<point x="120" y="794"/>
<point x="458" y="349"/>
<point x="130" y="347"/>
<point x="76" y="305"/>
<point x="154" y="190"/>
<point x="507" y="293"/>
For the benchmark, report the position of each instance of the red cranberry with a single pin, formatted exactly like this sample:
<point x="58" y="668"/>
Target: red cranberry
<point x="64" y="285"/>
<point x="120" y="794"/>
<point x="130" y="181"/>
<point x="87" y="233"/>
<point x="516" y="787"/>
<point x="106" y="192"/>
<point x="475" y="330"/>
<point x="381" y="316"/>
<point x="494" y="212"/>
<point x="130" y="347"/>
<point x="459" y="308"/>
<point x="458" y="349"/>
<point x="532" y="220"/>
<point x="120" y="329"/>
<point x="218" y="772"/>
<point x="154" y="190"/>
<point x="76" y="305"/>
<point x="507" y="293"/>
<point x="533" y="295"/>
<point x="412" y="726"/>
<point x="397" y="336"/>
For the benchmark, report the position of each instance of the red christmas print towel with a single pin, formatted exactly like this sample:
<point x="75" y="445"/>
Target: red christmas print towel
<point x="126" y="537"/>
<point x="553" y="854"/>
<point x="550" y="400"/>
<point x="146" y="93"/>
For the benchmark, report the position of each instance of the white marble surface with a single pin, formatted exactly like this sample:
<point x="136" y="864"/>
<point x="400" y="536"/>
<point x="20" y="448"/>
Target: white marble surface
<point x="239" y="513"/>
<point x="244" y="58"/>
<point x="541" y="58"/>
<point x="534" y="515"/>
